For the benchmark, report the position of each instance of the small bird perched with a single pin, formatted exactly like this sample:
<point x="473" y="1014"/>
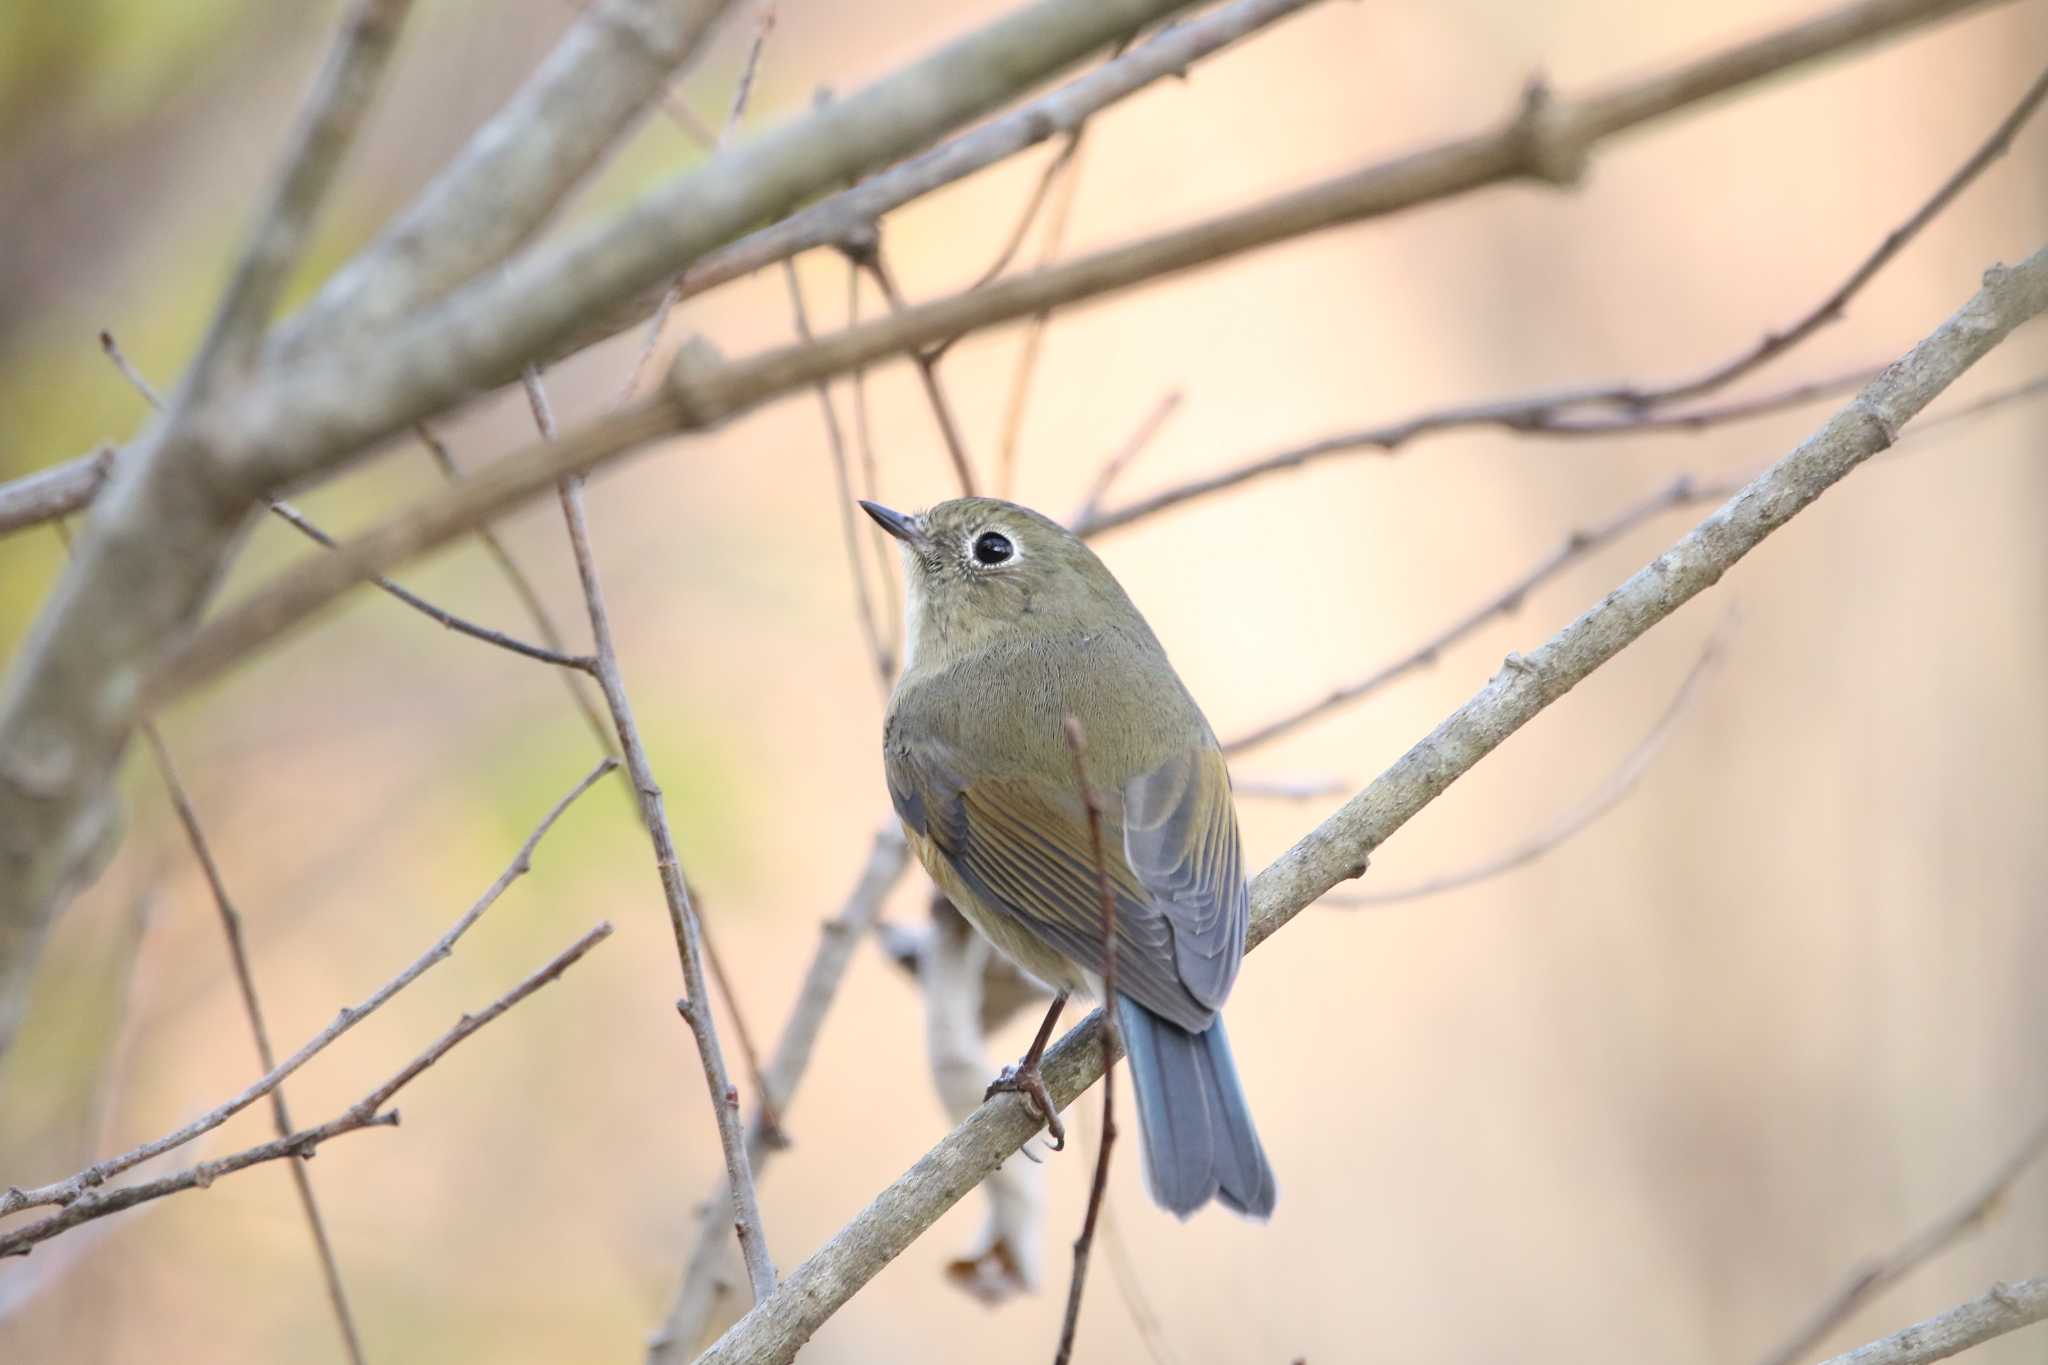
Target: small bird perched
<point x="1014" y="626"/>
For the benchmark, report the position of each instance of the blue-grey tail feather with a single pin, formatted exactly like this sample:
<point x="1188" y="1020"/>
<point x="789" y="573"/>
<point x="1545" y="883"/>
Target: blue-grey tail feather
<point x="1198" y="1134"/>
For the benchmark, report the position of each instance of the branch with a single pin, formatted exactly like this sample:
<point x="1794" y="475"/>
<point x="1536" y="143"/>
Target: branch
<point x="701" y="394"/>
<point x="516" y="170"/>
<point x="252" y="1010"/>
<point x="367" y="1112"/>
<point x="870" y="256"/>
<point x="706" y="1286"/>
<point x="152" y="556"/>
<point x="341" y="98"/>
<point x="695" y="1006"/>
<point x="1684" y="491"/>
<point x="1618" y="785"/>
<point x="69" y="1191"/>
<point x="2005" y="1308"/>
<point x="1134" y="446"/>
<point x="1338" y="848"/>
<point x="1879" y="1275"/>
<point x="1551" y="413"/>
<point x="1112" y="1043"/>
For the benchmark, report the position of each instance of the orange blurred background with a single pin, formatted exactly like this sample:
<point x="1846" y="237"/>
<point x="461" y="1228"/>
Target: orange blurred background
<point x="1654" y="1094"/>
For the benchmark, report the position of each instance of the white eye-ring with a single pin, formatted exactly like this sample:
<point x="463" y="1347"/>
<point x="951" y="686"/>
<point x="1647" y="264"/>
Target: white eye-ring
<point x="991" y="548"/>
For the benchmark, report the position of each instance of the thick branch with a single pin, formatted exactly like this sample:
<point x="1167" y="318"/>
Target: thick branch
<point x="155" y="548"/>
<point x="1536" y="142"/>
<point x="1338" y="848"/>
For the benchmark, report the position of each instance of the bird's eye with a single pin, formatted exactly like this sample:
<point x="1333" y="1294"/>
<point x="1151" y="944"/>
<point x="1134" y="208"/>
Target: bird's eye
<point x="992" y="547"/>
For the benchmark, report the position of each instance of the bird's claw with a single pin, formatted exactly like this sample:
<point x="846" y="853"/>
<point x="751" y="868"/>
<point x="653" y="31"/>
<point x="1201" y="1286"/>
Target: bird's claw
<point x="1029" y="1082"/>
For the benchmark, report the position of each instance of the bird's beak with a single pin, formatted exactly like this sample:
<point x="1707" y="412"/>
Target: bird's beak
<point x="896" y="524"/>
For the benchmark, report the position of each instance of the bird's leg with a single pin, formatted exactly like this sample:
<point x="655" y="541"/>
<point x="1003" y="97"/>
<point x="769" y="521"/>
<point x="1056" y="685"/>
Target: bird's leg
<point x="1027" y="1080"/>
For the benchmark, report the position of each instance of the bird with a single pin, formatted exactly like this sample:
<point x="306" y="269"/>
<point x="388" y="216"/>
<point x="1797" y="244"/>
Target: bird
<point x="1015" y="629"/>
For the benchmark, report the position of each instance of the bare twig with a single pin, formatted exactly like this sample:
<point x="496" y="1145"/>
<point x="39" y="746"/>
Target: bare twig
<point x="1686" y="490"/>
<point x="1831" y="308"/>
<point x="1338" y="848"/>
<point x="706" y="1285"/>
<point x="879" y="649"/>
<point x="1122" y="458"/>
<point x="1288" y="789"/>
<point x="446" y="619"/>
<point x="367" y="1112"/>
<point x="870" y="256"/>
<point x="1611" y="793"/>
<point x="68" y="1191"/>
<point x="1879" y="1274"/>
<point x="2004" y="1308"/>
<point x="1034" y="330"/>
<point x="528" y="595"/>
<point x="1041" y="188"/>
<point x="55" y="492"/>
<point x="764" y="24"/>
<point x="1112" y="1040"/>
<point x="252" y="1009"/>
<point x="1151" y="1331"/>
<point x="1556" y="413"/>
<point x="879" y="543"/>
<point x="1546" y="138"/>
<point x="112" y="349"/>
<point x="695" y="1006"/>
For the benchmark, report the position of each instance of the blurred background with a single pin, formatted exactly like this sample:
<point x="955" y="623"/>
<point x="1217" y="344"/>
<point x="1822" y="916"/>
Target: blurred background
<point x="1656" y="1092"/>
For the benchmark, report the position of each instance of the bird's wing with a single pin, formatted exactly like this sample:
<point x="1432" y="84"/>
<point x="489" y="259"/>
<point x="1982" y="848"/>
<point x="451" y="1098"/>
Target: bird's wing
<point x="1022" y="846"/>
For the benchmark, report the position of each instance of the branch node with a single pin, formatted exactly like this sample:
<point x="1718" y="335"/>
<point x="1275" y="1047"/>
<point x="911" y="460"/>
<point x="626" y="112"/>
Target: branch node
<point x="696" y="362"/>
<point x="1553" y="147"/>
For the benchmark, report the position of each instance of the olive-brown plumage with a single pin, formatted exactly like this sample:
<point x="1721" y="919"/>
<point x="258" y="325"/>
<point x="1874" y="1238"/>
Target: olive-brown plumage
<point x="1015" y="625"/>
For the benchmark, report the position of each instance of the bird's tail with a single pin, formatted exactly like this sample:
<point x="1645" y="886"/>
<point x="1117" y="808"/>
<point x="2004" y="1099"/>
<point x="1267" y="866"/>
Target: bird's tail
<point x="1198" y="1134"/>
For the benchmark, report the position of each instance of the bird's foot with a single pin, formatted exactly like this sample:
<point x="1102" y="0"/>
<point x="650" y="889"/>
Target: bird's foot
<point x="1027" y="1080"/>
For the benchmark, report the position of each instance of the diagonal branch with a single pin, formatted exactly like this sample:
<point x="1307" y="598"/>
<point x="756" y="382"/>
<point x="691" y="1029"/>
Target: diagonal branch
<point x="2004" y="1308"/>
<point x="706" y="1286"/>
<point x="266" y="1056"/>
<point x="64" y="1192"/>
<point x="341" y="98"/>
<point x="367" y="1112"/>
<point x="1880" y="1274"/>
<point x="695" y="1006"/>
<point x="1545" y="139"/>
<point x="1618" y="785"/>
<point x="1557" y="413"/>
<point x="1338" y="848"/>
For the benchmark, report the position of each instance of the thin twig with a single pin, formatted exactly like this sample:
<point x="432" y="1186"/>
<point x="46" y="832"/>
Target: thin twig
<point x="1831" y="308"/>
<point x="1112" y="1040"/>
<point x="1610" y="794"/>
<point x="1034" y="330"/>
<point x="927" y="364"/>
<point x="1125" y="455"/>
<point x="1040" y="190"/>
<point x="447" y="619"/>
<point x="879" y="543"/>
<point x="112" y="349"/>
<point x="705" y="1284"/>
<point x="1151" y="1331"/>
<point x="1288" y="789"/>
<point x="764" y="24"/>
<point x="835" y="440"/>
<point x="252" y="1010"/>
<point x="1547" y="138"/>
<point x="524" y="589"/>
<point x="2004" y="1308"/>
<point x="1878" y="1275"/>
<point x="367" y="1112"/>
<point x="1684" y="491"/>
<point x="1338" y="848"/>
<point x="695" y="1006"/>
<point x="1554" y="413"/>
<point x="69" y="1190"/>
